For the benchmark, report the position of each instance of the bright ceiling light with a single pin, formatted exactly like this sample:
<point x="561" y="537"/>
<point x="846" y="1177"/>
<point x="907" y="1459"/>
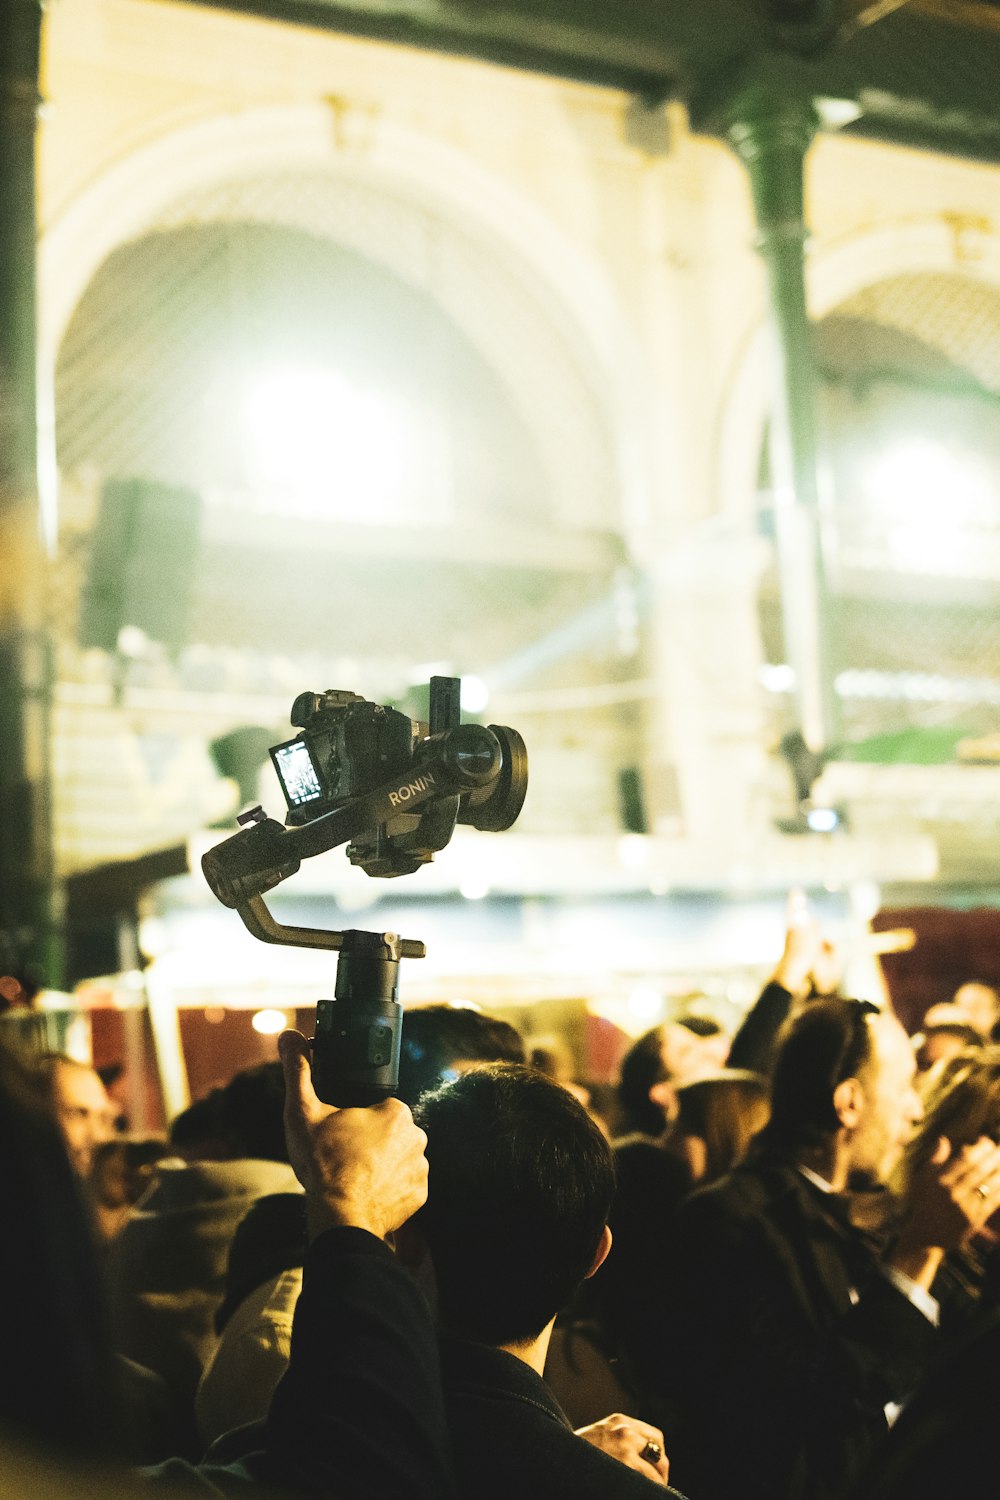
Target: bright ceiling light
<point x="928" y="477"/>
<point x="931" y="495"/>
<point x="327" y="445"/>
<point x="823" y="819"/>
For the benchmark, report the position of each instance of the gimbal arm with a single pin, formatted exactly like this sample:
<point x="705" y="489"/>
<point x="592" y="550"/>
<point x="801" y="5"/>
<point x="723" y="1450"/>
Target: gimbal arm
<point x="259" y="921"/>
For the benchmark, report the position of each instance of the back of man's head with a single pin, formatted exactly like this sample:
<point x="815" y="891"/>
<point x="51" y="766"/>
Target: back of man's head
<point x="825" y="1044"/>
<point x="243" y="1119"/>
<point x="642" y="1067"/>
<point x="521" y="1183"/>
<point x="440" y="1039"/>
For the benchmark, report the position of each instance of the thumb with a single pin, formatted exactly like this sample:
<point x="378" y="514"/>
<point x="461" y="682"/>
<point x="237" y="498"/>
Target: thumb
<point x="302" y="1106"/>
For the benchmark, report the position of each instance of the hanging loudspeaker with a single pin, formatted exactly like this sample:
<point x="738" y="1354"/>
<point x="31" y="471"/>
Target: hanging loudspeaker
<point x="142" y="557"/>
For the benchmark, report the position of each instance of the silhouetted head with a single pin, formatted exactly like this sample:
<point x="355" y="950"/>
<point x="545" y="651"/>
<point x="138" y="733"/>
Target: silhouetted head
<point x="521" y="1183"/>
<point x="441" y="1041"/>
<point x="844" y="1065"/>
<point x="243" y="1119"/>
<point x="57" y="1386"/>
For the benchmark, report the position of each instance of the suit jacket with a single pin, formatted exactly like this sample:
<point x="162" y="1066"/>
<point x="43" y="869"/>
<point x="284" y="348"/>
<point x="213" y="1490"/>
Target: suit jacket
<point x="943" y="1442"/>
<point x="511" y="1440"/>
<point x="783" y="1341"/>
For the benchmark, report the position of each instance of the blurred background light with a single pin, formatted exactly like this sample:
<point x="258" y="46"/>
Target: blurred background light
<point x="823" y="819"/>
<point x="645" y="1004"/>
<point x="928" y="481"/>
<point x="154" y="937"/>
<point x="633" y="850"/>
<point x="475" y="695"/>
<point x="326" y="444"/>
<point x="269" y="1022"/>
<point x="934" y="498"/>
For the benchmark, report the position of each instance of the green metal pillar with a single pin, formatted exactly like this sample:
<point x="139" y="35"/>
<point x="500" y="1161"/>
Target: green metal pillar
<point x="771" y="128"/>
<point x="28" y="919"/>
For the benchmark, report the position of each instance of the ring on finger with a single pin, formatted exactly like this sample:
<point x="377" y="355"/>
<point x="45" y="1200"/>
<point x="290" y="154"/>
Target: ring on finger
<point x="652" y="1453"/>
<point x="983" y="1191"/>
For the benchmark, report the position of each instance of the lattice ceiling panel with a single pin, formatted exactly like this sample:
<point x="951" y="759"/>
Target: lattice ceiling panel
<point x="957" y="317"/>
<point x="911" y="368"/>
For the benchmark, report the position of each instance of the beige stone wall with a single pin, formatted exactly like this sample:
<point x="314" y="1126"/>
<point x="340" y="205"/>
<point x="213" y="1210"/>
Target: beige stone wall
<point x="645" y="260"/>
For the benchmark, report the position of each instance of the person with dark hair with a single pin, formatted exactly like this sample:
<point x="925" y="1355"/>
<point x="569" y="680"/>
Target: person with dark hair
<point x="516" y="1218"/>
<point x="58" y="1382"/>
<point x="441" y="1041"/>
<point x="961" y="1111"/>
<point x="264" y="1275"/>
<point x="643" y="1094"/>
<point x="662" y="1061"/>
<point x="359" y="1414"/>
<point x="791" y="1342"/>
<point x="937" y="1445"/>
<point x="716" y="1117"/>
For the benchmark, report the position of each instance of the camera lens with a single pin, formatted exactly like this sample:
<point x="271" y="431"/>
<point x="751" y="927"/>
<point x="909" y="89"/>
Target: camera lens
<point x="492" y="809"/>
<point x="472" y="754"/>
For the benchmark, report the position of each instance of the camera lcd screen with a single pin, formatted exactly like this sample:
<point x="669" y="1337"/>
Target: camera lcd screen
<point x="296" y="772"/>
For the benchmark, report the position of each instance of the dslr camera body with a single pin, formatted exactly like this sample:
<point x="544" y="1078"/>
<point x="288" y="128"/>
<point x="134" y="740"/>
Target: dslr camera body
<point x="349" y="748"/>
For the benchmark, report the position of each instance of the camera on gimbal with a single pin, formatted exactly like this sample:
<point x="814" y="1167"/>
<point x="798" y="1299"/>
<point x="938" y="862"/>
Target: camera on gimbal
<point x="392" y="789"/>
<point x="349" y="747"/>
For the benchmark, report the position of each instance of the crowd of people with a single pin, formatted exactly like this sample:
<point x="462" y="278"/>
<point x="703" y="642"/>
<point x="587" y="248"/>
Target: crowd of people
<point x="770" y="1273"/>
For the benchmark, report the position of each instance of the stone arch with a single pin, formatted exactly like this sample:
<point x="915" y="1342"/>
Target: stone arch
<point x="835" y="272"/>
<point x="578" y="298"/>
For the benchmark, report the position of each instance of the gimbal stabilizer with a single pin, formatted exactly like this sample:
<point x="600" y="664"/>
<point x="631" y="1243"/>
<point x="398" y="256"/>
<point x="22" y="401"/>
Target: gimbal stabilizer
<point x="465" y="773"/>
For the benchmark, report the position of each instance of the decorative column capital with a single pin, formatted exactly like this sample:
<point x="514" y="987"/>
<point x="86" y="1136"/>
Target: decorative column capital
<point x="771" y="128"/>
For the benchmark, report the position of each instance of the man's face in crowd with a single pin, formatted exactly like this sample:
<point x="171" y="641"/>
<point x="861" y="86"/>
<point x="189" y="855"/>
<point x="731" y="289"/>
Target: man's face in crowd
<point x="979" y="1003"/>
<point x="85" y="1113"/>
<point x="892" y="1105"/>
<point x="686" y="1056"/>
<point x="938" y="1046"/>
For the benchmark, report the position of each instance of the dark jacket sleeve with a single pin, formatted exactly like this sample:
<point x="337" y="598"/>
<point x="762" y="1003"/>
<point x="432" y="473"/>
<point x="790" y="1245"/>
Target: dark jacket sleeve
<point x="755" y="1042"/>
<point x="359" y="1413"/>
